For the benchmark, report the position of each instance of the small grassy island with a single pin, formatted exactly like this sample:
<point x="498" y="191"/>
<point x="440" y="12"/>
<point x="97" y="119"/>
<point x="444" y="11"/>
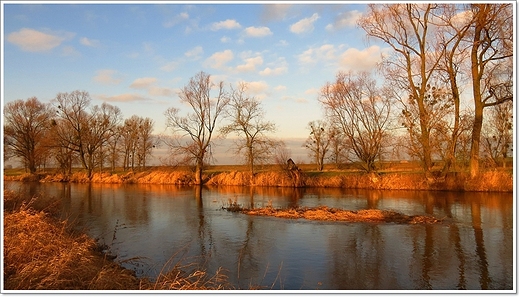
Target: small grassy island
<point x="324" y="213"/>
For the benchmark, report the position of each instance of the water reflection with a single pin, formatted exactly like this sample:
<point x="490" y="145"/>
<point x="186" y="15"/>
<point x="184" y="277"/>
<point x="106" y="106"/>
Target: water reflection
<point x="163" y="225"/>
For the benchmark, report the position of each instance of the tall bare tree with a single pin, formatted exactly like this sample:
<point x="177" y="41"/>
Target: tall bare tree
<point x="137" y="141"/>
<point x="85" y="132"/>
<point x="408" y="29"/>
<point x="145" y="140"/>
<point x="355" y="103"/>
<point x="196" y="129"/>
<point x="454" y="25"/>
<point x="491" y="65"/>
<point x="247" y="122"/>
<point x="26" y="125"/>
<point x="319" y="141"/>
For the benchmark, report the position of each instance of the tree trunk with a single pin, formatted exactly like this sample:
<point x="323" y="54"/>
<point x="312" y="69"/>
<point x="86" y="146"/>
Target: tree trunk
<point x="475" y="139"/>
<point x="476" y="76"/>
<point x="198" y="172"/>
<point x="251" y="164"/>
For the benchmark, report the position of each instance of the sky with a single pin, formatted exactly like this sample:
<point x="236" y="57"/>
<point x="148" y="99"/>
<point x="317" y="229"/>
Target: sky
<point x="138" y="55"/>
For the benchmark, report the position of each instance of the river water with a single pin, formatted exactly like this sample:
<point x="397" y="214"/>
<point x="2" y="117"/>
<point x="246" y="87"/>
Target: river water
<point x="150" y="228"/>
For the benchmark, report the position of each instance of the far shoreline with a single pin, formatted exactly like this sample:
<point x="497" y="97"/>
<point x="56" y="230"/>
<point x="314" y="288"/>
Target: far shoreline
<point x="498" y="180"/>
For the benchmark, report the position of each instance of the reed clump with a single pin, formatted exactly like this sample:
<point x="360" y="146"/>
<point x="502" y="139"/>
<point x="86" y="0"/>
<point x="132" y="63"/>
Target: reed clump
<point x="178" y="279"/>
<point x="44" y="253"/>
<point x="325" y="213"/>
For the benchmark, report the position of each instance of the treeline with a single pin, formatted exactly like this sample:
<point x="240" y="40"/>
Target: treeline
<point x="69" y="131"/>
<point x="413" y="106"/>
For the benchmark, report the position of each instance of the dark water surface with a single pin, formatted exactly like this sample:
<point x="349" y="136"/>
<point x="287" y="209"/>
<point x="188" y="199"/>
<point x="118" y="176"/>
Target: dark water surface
<point x="151" y="227"/>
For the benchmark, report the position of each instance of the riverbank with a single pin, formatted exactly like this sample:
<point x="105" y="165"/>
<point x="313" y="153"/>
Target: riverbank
<point x="43" y="253"/>
<point x="324" y="213"/>
<point x="487" y="181"/>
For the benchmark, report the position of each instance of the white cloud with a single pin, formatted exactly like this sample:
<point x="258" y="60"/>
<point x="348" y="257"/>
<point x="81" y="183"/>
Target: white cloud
<point x="219" y="59"/>
<point x="89" y="42"/>
<point x="365" y="59"/>
<point x="282" y="42"/>
<point x="149" y="84"/>
<point x="304" y="25"/>
<point x="280" y="88"/>
<point x="312" y="56"/>
<point x="106" y="77"/>
<point x="225" y="39"/>
<point x="257" y="87"/>
<point x="227" y="24"/>
<point x="170" y="66"/>
<point x="176" y="19"/>
<point x="35" y="41"/>
<point x="345" y="20"/>
<point x="250" y="64"/>
<point x="462" y="18"/>
<point x="122" y="98"/>
<point x="273" y="71"/>
<point x="257" y="31"/>
<point x="194" y="53"/>
<point x="70" y="51"/>
<point x="159" y="91"/>
<point x="143" y="82"/>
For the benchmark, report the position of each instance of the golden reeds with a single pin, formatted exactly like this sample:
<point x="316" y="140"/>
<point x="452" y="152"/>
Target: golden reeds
<point x="43" y="253"/>
<point x="324" y="213"/>
<point x="495" y="180"/>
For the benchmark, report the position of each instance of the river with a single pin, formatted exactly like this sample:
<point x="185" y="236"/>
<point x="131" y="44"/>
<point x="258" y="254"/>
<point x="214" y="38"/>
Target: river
<point x="150" y="228"/>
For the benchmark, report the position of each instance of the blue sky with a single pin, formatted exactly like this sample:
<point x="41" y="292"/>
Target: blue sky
<point x="138" y="55"/>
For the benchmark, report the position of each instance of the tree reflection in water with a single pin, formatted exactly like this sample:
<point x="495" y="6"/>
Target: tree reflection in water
<point x="472" y="249"/>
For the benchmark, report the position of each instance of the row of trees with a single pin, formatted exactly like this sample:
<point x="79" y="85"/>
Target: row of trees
<point x="69" y="131"/>
<point x="438" y="50"/>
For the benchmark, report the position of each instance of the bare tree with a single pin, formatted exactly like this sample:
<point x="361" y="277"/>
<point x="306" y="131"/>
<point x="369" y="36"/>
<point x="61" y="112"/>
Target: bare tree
<point x="137" y="141"/>
<point x="408" y="29"/>
<point x="113" y="144"/>
<point x="247" y="122"/>
<point x="354" y="103"/>
<point x="339" y="151"/>
<point x="85" y="132"/>
<point x="128" y="132"/>
<point x="454" y="28"/>
<point x="319" y="141"/>
<point x="491" y="58"/>
<point x="438" y="105"/>
<point x="26" y="125"/>
<point x="498" y="134"/>
<point x="196" y="129"/>
<point x="145" y="140"/>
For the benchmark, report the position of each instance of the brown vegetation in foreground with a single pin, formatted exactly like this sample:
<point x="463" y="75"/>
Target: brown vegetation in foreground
<point x="43" y="253"/>
<point x="324" y="213"/>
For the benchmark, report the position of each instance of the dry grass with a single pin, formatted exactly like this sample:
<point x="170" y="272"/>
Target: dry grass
<point x="494" y="180"/>
<point x="43" y="253"/>
<point x="324" y="213"/>
<point x="178" y="279"/>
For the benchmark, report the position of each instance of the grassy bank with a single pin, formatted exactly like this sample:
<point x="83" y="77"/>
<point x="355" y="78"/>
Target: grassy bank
<point x="44" y="253"/>
<point x="495" y="180"/>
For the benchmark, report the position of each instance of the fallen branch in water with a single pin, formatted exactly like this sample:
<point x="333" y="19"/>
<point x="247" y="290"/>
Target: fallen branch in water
<point x="324" y="213"/>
